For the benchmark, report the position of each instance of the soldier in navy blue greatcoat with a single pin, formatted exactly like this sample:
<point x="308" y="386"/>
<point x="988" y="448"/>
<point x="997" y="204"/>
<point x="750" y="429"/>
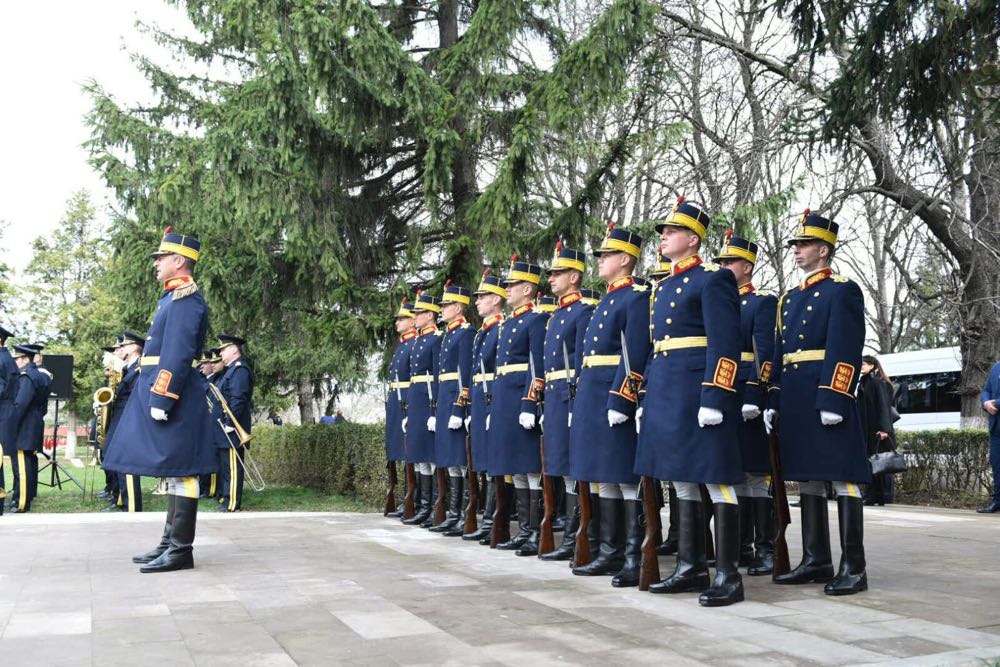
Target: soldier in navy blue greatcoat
<point x="564" y="334"/>
<point x="514" y="429"/>
<point x="602" y="439"/>
<point x="757" y="313"/>
<point x="816" y="366"/>
<point x="8" y="389"/>
<point x="395" y="399"/>
<point x="128" y="350"/>
<point x="490" y="296"/>
<point x="454" y="374"/>
<point x="39" y="408"/>
<point x="25" y="429"/>
<point x="236" y="386"/>
<point x="421" y="401"/>
<point x="690" y="428"/>
<point x="166" y="428"/>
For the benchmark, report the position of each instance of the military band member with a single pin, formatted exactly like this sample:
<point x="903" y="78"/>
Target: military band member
<point x="236" y="386"/>
<point x="208" y="484"/>
<point x="602" y="442"/>
<point x="689" y="433"/>
<point x="454" y="366"/>
<point x="111" y="492"/>
<point x="564" y="334"/>
<point x="40" y="407"/>
<point x="8" y="391"/>
<point x="817" y="360"/>
<point x="420" y="403"/>
<point x="166" y="428"/>
<point x="128" y="350"/>
<point x="513" y="423"/>
<point x="490" y="297"/>
<point x="399" y="383"/>
<point x="25" y="429"/>
<point x="757" y="313"/>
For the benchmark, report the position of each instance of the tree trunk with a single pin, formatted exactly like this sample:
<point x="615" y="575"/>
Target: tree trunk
<point x="304" y="393"/>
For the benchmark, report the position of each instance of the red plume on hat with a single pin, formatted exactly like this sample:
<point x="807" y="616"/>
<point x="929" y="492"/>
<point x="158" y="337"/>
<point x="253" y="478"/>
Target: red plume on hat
<point x="513" y="258"/>
<point x="680" y="200"/>
<point x="611" y="225"/>
<point x="729" y="236"/>
<point x="168" y="230"/>
<point x="447" y="283"/>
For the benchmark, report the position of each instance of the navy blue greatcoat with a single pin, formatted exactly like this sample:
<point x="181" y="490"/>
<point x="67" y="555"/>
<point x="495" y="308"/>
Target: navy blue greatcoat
<point x="40" y="406"/>
<point x="484" y="356"/>
<point x="514" y="449"/>
<point x="697" y="308"/>
<point x="423" y="360"/>
<point x="122" y="393"/>
<point x="236" y="386"/>
<point x="399" y="380"/>
<point x="757" y="313"/>
<point x="597" y="451"/>
<point x="566" y="327"/>
<point x="183" y="445"/>
<point x="455" y="358"/>
<point x="216" y="413"/>
<point x="8" y="389"/>
<point x="823" y="317"/>
<point x="26" y="427"/>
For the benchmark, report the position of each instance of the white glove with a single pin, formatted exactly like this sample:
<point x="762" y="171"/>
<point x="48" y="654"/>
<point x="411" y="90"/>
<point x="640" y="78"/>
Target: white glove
<point x="405" y="419"/>
<point x="769" y="416"/>
<point x="229" y="429"/>
<point x="615" y="418"/>
<point x="468" y="420"/>
<point x="638" y="420"/>
<point x="526" y="420"/>
<point x="454" y="423"/>
<point x="487" y="422"/>
<point x="709" y="417"/>
<point x="432" y="423"/>
<point x="830" y="418"/>
<point x="750" y="411"/>
<point x="158" y="414"/>
<point x="569" y="421"/>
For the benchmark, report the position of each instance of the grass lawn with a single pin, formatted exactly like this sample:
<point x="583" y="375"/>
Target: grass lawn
<point x="273" y="499"/>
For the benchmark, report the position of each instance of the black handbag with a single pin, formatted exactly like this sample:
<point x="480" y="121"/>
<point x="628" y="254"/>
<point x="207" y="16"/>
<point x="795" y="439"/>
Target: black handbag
<point x="888" y="463"/>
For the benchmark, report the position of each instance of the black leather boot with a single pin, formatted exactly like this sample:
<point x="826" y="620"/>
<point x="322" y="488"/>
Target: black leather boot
<point x="504" y="520"/>
<point x="425" y="504"/>
<point x="727" y="587"/>
<point x="635" y="532"/>
<point x="691" y="573"/>
<point x="559" y="517"/>
<point x="763" y="530"/>
<point x="522" y="497"/>
<point x="611" y="552"/>
<point x="669" y="545"/>
<point x="179" y="555"/>
<point x="530" y="546"/>
<point x="164" y="544"/>
<point x="746" y="531"/>
<point x="437" y="491"/>
<point x="566" y="550"/>
<point x="458" y="529"/>
<point x="454" y="506"/>
<point x="817" y="564"/>
<point x="851" y="578"/>
<point x="487" y="524"/>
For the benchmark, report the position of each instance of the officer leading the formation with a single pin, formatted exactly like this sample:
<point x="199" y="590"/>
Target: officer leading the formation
<point x="817" y="361"/>
<point x="236" y="387"/>
<point x="166" y="428"/>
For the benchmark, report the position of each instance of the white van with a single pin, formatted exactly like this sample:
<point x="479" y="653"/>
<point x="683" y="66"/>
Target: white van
<point x="926" y="383"/>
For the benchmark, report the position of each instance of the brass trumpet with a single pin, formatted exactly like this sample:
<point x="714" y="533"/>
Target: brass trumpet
<point x="250" y="468"/>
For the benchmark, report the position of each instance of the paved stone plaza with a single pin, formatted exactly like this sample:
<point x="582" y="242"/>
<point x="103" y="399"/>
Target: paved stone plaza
<point x="325" y="589"/>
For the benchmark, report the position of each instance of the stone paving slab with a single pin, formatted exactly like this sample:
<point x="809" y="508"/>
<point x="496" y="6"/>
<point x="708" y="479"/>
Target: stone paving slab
<point x="357" y="589"/>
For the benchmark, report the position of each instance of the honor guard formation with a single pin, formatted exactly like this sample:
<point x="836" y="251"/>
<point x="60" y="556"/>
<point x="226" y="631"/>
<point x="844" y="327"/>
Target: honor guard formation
<point x="584" y="414"/>
<point x="170" y="409"/>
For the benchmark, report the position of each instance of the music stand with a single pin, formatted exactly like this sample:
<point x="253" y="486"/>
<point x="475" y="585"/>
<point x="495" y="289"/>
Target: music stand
<point x="61" y="367"/>
<point x="53" y="461"/>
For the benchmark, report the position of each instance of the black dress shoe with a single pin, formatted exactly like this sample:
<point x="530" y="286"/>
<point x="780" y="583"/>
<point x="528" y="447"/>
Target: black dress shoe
<point x="994" y="506"/>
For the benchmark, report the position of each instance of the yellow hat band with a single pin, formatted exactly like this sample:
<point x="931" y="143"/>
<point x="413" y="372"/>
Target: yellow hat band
<point x="433" y="307"/>
<point x="732" y="252"/>
<point x="563" y="263"/>
<point x="456" y="298"/>
<point x="494" y="289"/>
<point x="620" y="246"/>
<point x="519" y="276"/>
<point x="404" y="312"/>
<point x="179" y="249"/>
<point x="684" y="220"/>
<point x="819" y="233"/>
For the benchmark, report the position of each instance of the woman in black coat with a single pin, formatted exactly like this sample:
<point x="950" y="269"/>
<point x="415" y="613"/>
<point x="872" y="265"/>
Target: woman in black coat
<point x="875" y="404"/>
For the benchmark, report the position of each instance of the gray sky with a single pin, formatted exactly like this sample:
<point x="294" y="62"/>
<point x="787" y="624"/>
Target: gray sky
<point x="49" y="50"/>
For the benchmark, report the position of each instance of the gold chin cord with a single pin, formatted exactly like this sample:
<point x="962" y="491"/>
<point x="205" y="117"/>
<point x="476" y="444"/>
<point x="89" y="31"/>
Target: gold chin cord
<point x="250" y="468"/>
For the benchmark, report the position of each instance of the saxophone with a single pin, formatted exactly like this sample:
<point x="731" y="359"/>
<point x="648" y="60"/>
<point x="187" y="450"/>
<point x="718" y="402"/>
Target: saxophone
<point x="105" y="396"/>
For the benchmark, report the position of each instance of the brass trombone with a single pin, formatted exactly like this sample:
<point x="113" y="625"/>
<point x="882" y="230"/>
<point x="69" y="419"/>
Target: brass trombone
<point x="251" y="470"/>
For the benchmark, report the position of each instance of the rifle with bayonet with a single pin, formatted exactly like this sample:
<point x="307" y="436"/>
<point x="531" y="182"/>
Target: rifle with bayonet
<point x="390" y="494"/>
<point x="471" y="476"/>
<point x="581" y="551"/>
<point x="409" y="505"/>
<point x="546" y="540"/>
<point x="500" y="532"/>
<point x="441" y="474"/>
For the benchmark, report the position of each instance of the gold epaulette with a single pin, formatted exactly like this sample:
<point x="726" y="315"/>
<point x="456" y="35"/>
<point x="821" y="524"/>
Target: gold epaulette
<point x="640" y="288"/>
<point x="710" y="266"/>
<point x="838" y="278"/>
<point x="185" y="291"/>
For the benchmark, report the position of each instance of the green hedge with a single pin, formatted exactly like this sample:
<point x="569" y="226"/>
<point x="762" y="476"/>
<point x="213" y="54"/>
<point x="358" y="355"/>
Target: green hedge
<point x="347" y="459"/>
<point x="949" y="467"/>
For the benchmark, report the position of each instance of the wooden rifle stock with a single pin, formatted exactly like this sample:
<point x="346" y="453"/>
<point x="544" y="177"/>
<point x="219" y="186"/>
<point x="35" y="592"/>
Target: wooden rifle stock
<point x="440" y="510"/>
<point x="649" y="570"/>
<point x="581" y="554"/>
<point x="409" y="510"/>
<point x="500" y="532"/>
<point x="784" y="515"/>
<point x="390" y="494"/>
<point x="546" y="539"/>
<point x="473" y="481"/>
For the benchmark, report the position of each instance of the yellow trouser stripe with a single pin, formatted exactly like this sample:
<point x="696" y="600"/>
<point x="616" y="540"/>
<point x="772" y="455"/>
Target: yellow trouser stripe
<point x="727" y="493"/>
<point x="190" y="486"/>
<point x="22" y="483"/>
<point x="852" y="490"/>
<point x="232" y="479"/>
<point x="211" y="484"/>
<point x="130" y="487"/>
